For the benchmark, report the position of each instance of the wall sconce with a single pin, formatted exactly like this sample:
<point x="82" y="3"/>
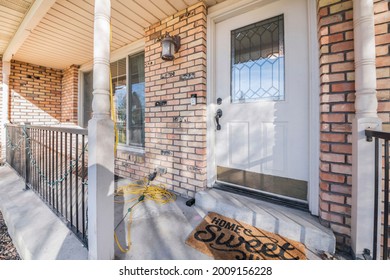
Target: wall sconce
<point x="170" y="46"/>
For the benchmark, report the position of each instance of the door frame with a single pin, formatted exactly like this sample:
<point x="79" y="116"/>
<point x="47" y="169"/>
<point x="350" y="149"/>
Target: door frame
<point x="231" y="8"/>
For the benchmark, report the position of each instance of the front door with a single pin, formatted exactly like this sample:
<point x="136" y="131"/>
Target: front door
<point x="262" y="99"/>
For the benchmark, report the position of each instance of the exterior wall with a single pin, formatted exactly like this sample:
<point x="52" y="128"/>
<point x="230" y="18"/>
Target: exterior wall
<point x="335" y="27"/>
<point x="175" y="133"/>
<point x="69" y="98"/>
<point x="35" y="95"/>
<point x="382" y="40"/>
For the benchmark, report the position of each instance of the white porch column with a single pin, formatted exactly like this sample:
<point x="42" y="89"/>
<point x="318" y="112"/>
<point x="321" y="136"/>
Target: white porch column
<point x="366" y="104"/>
<point x="4" y="108"/>
<point x="101" y="143"/>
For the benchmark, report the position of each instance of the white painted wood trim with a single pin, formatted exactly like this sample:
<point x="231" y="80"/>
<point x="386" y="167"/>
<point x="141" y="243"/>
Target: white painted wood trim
<point x="100" y="147"/>
<point x="35" y="14"/>
<point x="314" y="110"/>
<point x="211" y="102"/>
<point x="366" y="103"/>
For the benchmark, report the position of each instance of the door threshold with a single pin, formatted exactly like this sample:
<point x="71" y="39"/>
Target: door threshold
<point x="284" y="201"/>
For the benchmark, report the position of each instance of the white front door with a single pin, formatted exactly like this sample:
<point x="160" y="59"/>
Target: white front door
<point x="261" y="92"/>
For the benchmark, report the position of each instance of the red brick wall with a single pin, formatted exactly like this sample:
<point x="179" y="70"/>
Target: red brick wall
<point x="35" y="94"/>
<point x="382" y="40"/>
<point x="176" y="133"/>
<point x="337" y="111"/>
<point x="335" y="19"/>
<point x="69" y="99"/>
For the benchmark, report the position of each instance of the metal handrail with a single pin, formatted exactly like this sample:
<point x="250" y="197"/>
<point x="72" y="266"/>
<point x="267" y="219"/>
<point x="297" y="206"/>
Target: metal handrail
<point x="65" y="129"/>
<point x="52" y="161"/>
<point x="379" y="135"/>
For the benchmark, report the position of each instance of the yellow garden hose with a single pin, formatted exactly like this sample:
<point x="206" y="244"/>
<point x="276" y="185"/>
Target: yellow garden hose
<point x="143" y="191"/>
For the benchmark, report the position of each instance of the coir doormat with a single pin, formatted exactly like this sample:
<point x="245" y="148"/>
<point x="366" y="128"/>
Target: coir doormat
<point x="227" y="239"/>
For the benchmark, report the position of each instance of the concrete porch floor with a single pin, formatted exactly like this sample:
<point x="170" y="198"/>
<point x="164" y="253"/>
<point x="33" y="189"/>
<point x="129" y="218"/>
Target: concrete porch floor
<point x="158" y="232"/>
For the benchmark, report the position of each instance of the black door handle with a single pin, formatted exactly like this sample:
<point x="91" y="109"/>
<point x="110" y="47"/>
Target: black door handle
<point x="218" y="115"/>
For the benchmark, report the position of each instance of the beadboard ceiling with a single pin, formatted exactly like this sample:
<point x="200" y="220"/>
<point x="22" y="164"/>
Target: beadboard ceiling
<point x="64" y="35"/>
<point x="11" y="15"/>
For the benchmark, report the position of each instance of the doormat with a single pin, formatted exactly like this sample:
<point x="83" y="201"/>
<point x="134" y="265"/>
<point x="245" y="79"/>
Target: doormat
<point x="226" y="239"/>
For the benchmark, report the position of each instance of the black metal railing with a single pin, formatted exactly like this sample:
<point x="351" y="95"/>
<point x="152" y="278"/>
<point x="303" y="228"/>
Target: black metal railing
<point x="53" y="163"/>
<point x="381" y="207"/>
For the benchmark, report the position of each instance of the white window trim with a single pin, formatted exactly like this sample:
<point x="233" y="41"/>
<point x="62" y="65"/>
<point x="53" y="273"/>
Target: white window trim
<point x="116" y="55"/>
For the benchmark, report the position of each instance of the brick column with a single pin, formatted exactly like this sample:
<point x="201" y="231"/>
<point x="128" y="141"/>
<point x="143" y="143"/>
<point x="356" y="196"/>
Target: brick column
<point x="337" y="111"/>
<point x="69" y="98"/>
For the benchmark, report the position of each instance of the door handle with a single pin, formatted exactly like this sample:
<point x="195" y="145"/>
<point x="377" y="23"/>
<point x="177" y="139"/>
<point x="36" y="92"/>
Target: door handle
<point x="218" y="115"/>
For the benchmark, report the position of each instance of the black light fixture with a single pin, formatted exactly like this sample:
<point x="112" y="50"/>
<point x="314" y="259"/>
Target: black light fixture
<point x="170" y="46"/>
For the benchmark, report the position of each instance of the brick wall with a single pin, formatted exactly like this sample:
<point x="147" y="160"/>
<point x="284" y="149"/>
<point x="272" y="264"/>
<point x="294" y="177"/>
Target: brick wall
<point x="335" y="19"/>
<point x="335" y="25"/>
<point x="35" y="94"/>
<point x="382" y="40"/>
<point x="69" y="99"/>
<point x="175" y="133"/>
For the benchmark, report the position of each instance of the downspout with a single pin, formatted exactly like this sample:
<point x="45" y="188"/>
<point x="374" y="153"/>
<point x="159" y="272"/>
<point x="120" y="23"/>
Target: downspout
<point x="366" y="103"/>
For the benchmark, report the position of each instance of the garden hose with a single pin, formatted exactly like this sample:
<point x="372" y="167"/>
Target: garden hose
<point x="143" y="191"/>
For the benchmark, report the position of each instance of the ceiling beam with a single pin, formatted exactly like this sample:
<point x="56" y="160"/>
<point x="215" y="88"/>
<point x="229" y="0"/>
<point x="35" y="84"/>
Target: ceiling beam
<point x="34" y="15"/>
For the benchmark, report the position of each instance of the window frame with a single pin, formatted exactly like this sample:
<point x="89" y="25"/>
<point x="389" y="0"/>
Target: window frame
<point x="125" y="52"/>
<point x="280" y="18"/>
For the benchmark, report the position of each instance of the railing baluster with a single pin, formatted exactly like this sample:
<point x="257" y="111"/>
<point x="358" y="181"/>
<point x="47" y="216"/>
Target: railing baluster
<point x="45" y="173"/>
<point x="77" y="182"/>
<point x="386" y="203"/>
<point x="56" y="169"/>
<point x="70" y="178"/>
<point x="82" y="184"/>
<point x="39" y="162"/>
<point x="52" y="186"/>
<point x="376" y="184"/>
<point x="33" y="151"/>
<point x="66" y="177"/>
<point x="61" y="186"/>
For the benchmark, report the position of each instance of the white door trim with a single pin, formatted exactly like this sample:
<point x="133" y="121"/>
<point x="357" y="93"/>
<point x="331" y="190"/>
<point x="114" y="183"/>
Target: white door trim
<point x="229" y="9"/>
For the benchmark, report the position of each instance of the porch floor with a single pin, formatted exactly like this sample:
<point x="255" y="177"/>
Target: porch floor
<point x="37" y="233"/>
<point x="158" y="232"/>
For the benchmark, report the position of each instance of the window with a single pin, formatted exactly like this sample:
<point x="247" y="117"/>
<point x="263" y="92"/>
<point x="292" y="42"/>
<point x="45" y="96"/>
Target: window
<point x="119" y="88"/>
<point x="136" y="101"/>
<point x="257" y="68"/>
<point x="128" y="84"/>
<point x="87" y="80"/>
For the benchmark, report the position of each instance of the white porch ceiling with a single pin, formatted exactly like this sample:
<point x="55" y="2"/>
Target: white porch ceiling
<point x="64" y="36"/>
<point x="11" y="15"/>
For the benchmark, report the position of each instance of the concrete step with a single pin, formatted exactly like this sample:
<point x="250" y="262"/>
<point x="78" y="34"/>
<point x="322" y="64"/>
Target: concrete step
<point x="291" y="223"/>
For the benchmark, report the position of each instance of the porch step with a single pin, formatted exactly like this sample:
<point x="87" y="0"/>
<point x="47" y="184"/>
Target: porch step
<point x="291" y="223"/>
